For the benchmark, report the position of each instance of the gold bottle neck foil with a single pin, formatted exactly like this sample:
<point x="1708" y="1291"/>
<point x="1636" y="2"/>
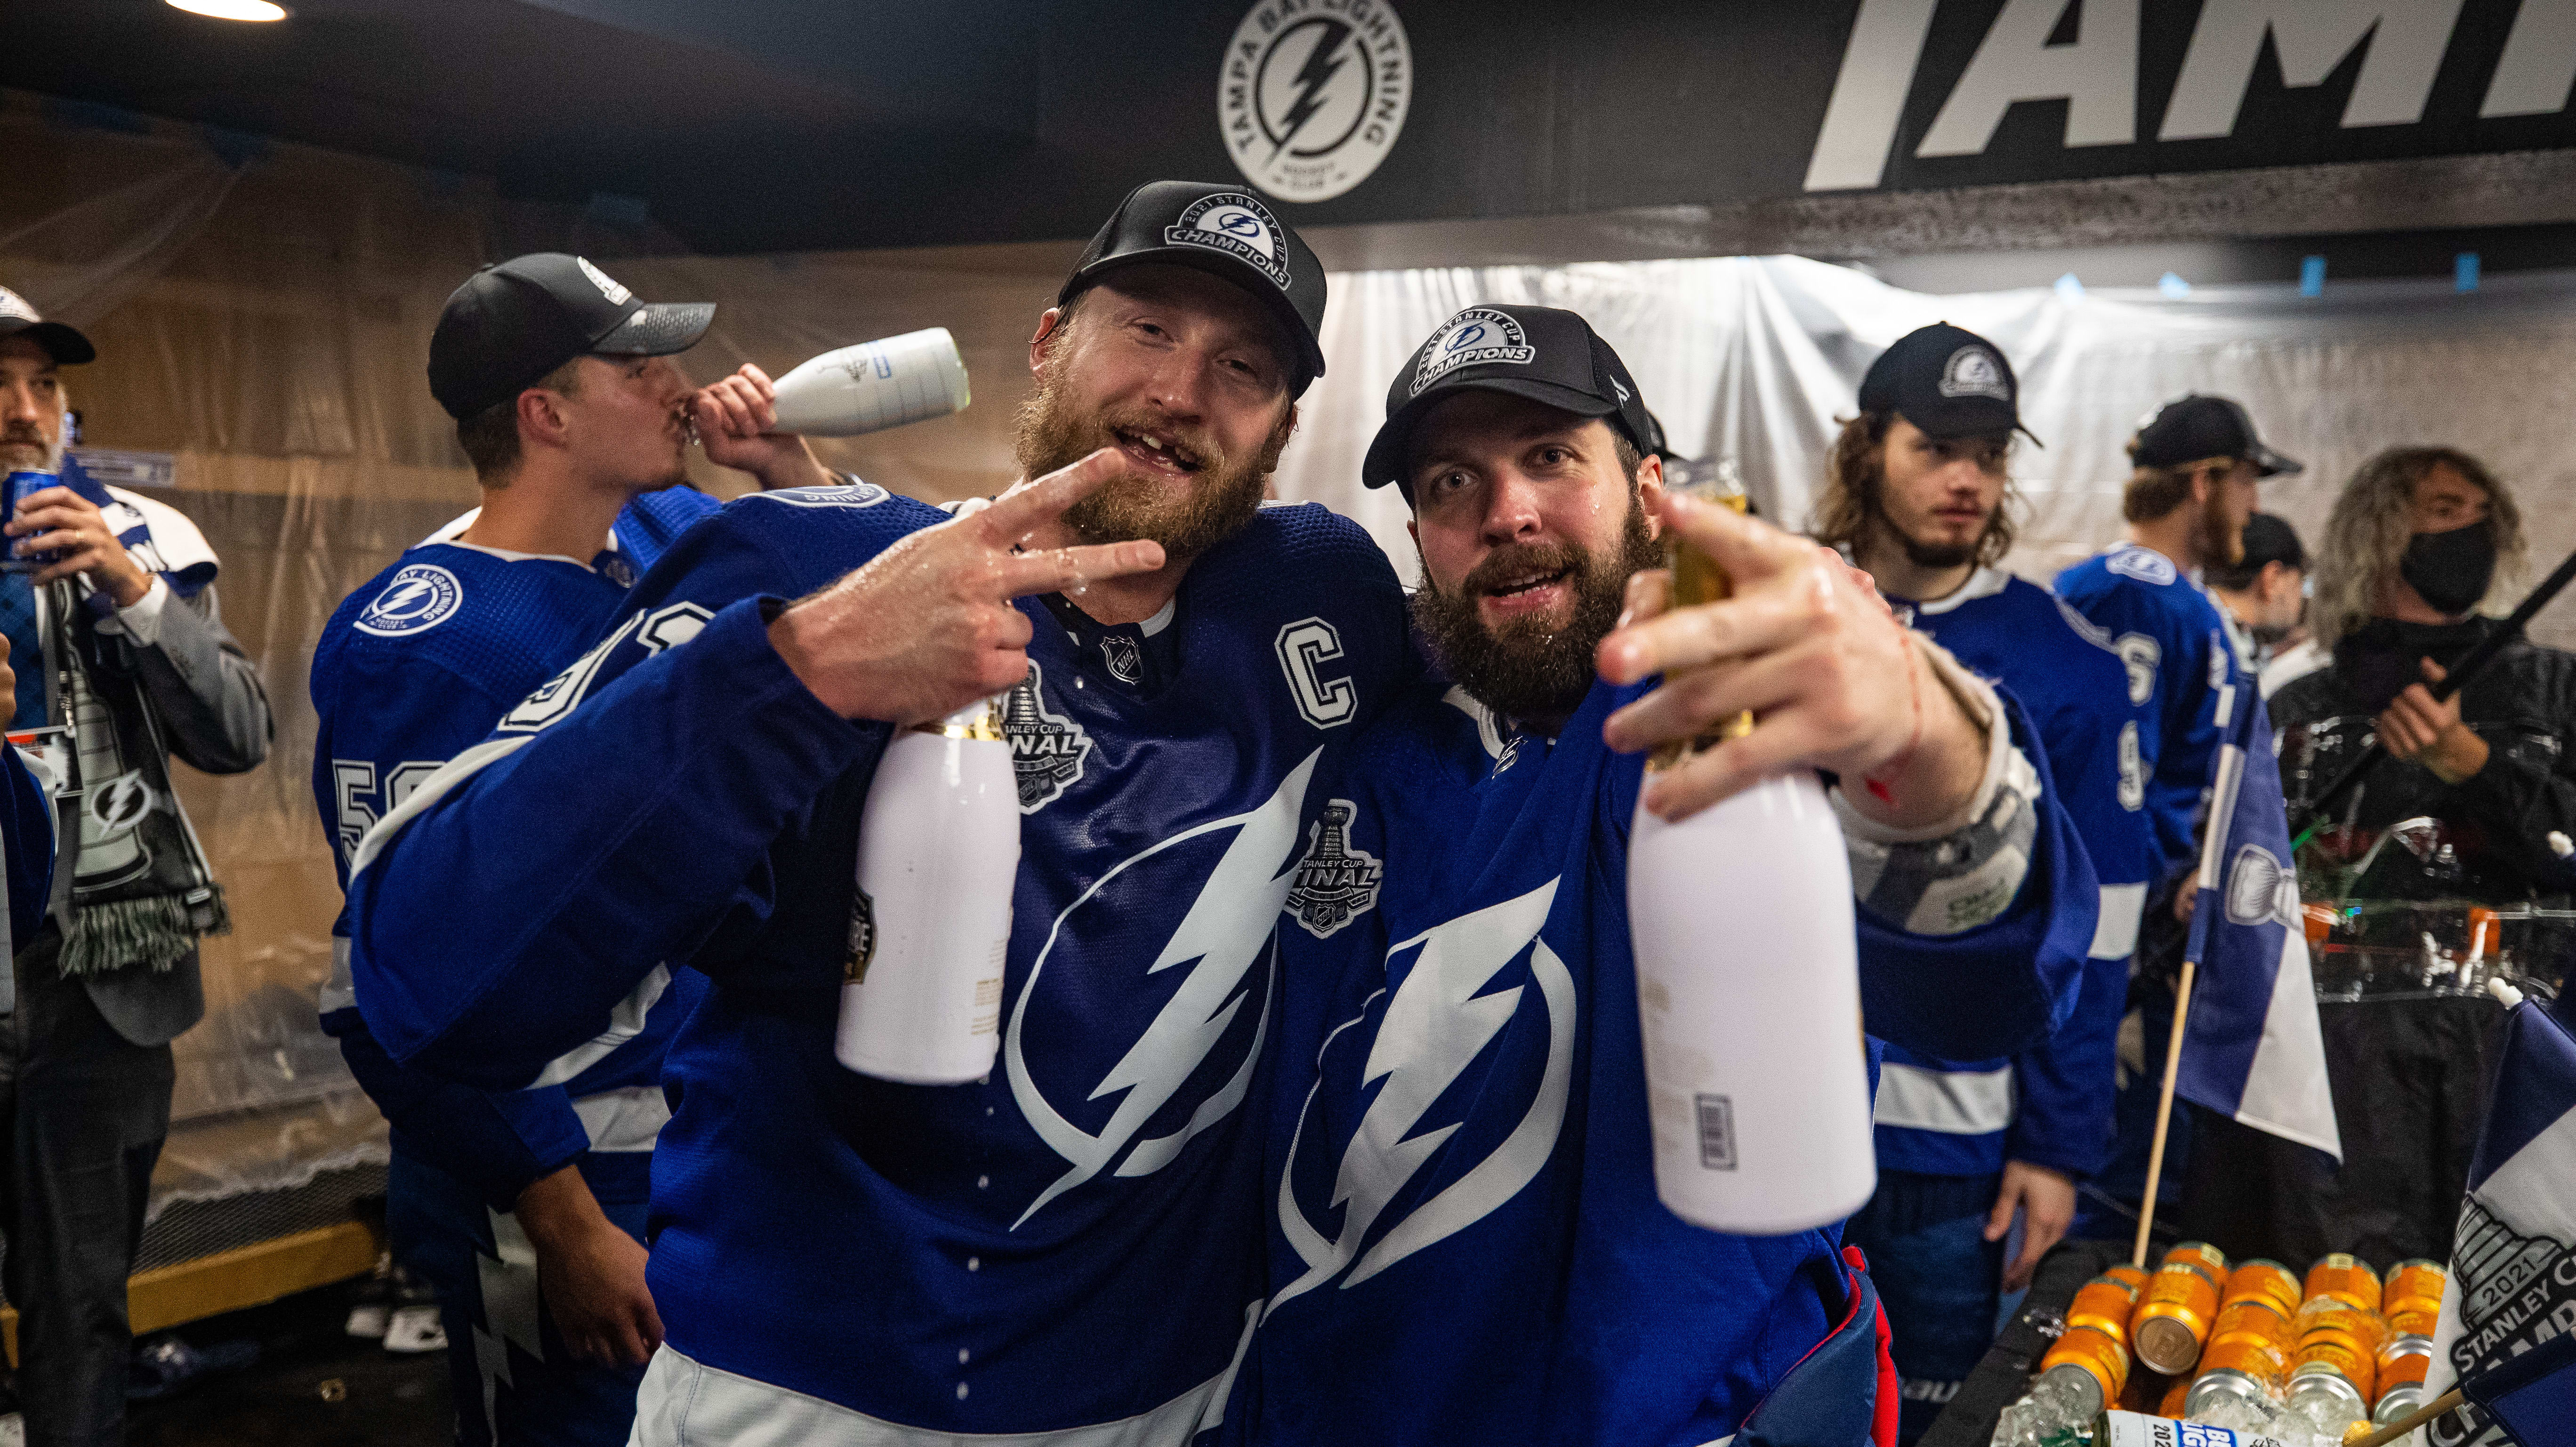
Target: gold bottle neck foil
<point x="981" y="721"/>
<point x="1698" y="579"/>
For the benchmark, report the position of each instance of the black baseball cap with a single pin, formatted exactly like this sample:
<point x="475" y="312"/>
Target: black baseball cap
<point x="2269" y="539"/>
<point x="1538" y="352"/>
<point x="1657" y="443"/>
<point x="2196" y="428"/>
<point x="1947" y="381"/>
<point x="18" y="318"/>
<point x="512" y="323"/>
<point x="1226" y="232"/>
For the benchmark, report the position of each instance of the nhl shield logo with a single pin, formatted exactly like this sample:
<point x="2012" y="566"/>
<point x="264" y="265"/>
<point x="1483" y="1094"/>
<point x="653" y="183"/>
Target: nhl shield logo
<point x="1335" y="883"/>
<point x="1119" y="652"/>
<point x="1048" y="750"/>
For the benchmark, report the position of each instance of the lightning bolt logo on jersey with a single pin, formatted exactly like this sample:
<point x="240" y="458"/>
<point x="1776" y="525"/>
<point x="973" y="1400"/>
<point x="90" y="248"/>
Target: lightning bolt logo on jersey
<point x="1468" y="1244"/>
<point x="1070" y="1245"/>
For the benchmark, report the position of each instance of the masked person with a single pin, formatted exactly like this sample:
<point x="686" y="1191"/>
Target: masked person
<point x="122" y="662"/>
<point x="1470" y="1245"/>
<point x="2418" y="540"/>
<point x="526" y="1208"/>
<point x="2265" y="594"/>
<point x="1918" y="492"/>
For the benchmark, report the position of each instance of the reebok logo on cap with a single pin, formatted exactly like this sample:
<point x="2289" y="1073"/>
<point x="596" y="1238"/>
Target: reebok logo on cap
<point x="1472" y="338"/>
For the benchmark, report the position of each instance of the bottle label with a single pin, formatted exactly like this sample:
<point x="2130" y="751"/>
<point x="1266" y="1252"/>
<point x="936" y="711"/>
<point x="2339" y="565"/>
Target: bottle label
<point x="1716" y="1131"/>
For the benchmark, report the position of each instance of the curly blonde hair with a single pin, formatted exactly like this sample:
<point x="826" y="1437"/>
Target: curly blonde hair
<point x="2374" y="518"/>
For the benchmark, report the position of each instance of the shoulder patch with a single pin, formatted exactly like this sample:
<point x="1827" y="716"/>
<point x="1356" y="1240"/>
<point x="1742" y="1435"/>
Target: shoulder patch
<point x="839" y="494"/>
<point x="419" y="597"/>
<point x="2144" y="564"/>
<point x="1335" y="883"/>
<point x="1048" y="750"/>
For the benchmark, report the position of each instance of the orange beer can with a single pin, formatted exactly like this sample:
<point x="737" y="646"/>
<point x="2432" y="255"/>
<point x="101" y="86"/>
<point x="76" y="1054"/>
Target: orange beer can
<point x="2340" y="1338"/>
<point x="2253" y="1322"/>
<point x="2404" y="1361"/>
<point x="2175" y="1396"/>
<point x="2413" y="1321"/>
<point x="2414" y="1286"/>
<point x="2209" y="1260"/>
<point x="2345" y="1277"/>
<point x="2261" y="1280"/>
<point x="2135" y="1276"/>
<point x="2097" y="1353"/>
<point x="2104" y="1304"/>
<point x="2173" y="1316"/>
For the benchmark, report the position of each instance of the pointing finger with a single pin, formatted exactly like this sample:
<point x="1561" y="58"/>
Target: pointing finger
<point x="1017" y="512"/>
<point x="1059" y="570"/>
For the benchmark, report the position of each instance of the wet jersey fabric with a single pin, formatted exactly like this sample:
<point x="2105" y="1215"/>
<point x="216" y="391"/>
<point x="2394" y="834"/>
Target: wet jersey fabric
<point x="1074" y="1241"/>
<point x="2184" y="673"/>
<point x="1468" y="1246"/>
<point x="413" y="668"/>
<point x="2051" y="1105"/>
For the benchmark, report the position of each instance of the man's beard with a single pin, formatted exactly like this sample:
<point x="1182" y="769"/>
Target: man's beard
<point x="1222" y="497"/>
<point x="1937" y="555"/>
<point x="2221" y="545"/>
<point x="15" y="446"/>
<point x="1524" y="669"/>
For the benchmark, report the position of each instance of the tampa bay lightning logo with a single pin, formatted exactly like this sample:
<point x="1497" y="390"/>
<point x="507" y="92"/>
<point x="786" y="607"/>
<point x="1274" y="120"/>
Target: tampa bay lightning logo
<point x="2144" y="564"/>
<point x="421" y="596"/>
<point x="1190" y="1067"/>
<point x="1444" y="1021"/>
<point x="853" y="493"/>
<point x="1237" y="225"/>
<point x="1477" y="337"/>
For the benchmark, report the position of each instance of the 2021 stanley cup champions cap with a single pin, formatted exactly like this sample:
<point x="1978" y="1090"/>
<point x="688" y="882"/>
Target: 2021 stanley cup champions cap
<point x="18" y="318"/>
<point x="2197" y="428"/>
<point x="512" y="323"/>
<point x="1949" y="382"/>
<point x="1539" y="352"/>
<point x="1226" y="232"/>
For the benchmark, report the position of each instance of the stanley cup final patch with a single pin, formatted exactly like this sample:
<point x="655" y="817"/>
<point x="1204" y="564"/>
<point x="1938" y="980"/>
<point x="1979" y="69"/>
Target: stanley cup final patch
<point x="1048" y="749"/>
<point x="1335" y="883"/>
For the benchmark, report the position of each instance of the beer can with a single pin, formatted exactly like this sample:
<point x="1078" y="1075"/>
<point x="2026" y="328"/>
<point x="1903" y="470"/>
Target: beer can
<point x="2314" y="1380"/>
<point x="2173" y="1317"/>
<point x="2413" y="1321"/>
<point x="2097" y="1355"/>
<point x="2104" y="1303"/>
<point x="2207" y="1259"/>
<point x="2398" y="1403"/>
<point x="2403" y="1362"/>
<point x="2334" y="1314"/>
<point x="2252" y="1322"/>
<point x="2345" y="1277"/>
<point x="2227" y="1384"/>
<point x="2344" y="1358"/>
<point x="2175" y="1399"/>
<point x="22" y="485"/>
<point x="2262" y="1280"/>
<point x="2134" y="1276"/>
<point x="2414" y="1286"/>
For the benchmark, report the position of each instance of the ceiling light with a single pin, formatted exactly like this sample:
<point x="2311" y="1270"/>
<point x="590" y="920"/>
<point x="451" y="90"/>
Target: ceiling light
<point x="232" y="9"/>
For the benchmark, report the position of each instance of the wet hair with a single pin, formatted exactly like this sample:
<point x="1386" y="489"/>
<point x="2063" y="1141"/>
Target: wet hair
<point x="2373" y="519"/>
<point x="1854" y="470"/>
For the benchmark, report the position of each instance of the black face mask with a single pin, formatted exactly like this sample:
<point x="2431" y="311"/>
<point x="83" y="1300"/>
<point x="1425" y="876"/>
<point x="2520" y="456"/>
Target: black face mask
<point x="2451" y="570"/>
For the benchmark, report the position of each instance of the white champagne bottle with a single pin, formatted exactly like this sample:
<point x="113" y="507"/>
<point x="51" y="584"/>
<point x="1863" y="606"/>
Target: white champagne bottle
<point x="874" y="386"/>
<point x="939" y="848"/>
<point x="1748" y="990"/>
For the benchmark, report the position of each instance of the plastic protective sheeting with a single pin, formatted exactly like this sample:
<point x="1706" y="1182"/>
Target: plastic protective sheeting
<point x="1756" y="359"/>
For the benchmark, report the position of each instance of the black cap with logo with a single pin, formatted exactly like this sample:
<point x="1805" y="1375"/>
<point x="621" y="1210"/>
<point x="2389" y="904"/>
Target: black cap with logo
<point x="1227" y="232"/>
<point x="1538" y="352"/>
<point x="510" y="324"/>
<point x="1949" y="382"/>
<point x="2197" y="428"/>
<point x="18" y="318"/>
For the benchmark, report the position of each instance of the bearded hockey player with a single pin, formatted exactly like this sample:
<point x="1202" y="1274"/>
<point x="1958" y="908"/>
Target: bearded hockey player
<point x="525" y="1208"/>
<point x="1470" y="1247"/>
<point x="1068" y="1251"/>
<point x="1918" y="491"/>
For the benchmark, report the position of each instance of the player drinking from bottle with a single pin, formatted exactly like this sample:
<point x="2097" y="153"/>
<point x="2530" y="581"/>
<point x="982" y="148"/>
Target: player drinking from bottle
<point x="1470" y="1244"/>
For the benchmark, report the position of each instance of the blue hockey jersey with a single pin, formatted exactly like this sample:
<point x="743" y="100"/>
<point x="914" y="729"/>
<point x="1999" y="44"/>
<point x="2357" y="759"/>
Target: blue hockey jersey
<point x="26" y="847"/>
<point x="413" y="668"/>
<point x="2184" y="671"/>
<point x="2050" y="1106"/>
<point x="1077" y="1239"/>
<point x="1469" y="1246"/>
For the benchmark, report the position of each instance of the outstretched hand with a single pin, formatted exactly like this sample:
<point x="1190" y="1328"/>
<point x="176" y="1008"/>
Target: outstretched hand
<point x="1813" y="651"/>
<point x="927" y="627"/>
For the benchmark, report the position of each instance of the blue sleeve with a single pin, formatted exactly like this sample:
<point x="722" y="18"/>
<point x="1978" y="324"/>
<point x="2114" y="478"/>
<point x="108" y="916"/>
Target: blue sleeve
<point x="619" y="819"/>
<point x="2198" y="677"/>
<point x="394" y="718"/>
<point x="1994" y="989"/>
<point x="29" y="843"/>
<point x="2066" y="1084"/>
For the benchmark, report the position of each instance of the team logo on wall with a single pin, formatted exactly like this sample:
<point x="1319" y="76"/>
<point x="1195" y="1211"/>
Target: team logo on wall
<point x="1974" y="372"/>
<point x="1048" y="750"/>
<point x="1237" y="225"/>
<point x="422" y="595"/>
<point x="1311" y="98"/>
<point x="1335" y="883"/>
<point x="1476" y="337"/>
